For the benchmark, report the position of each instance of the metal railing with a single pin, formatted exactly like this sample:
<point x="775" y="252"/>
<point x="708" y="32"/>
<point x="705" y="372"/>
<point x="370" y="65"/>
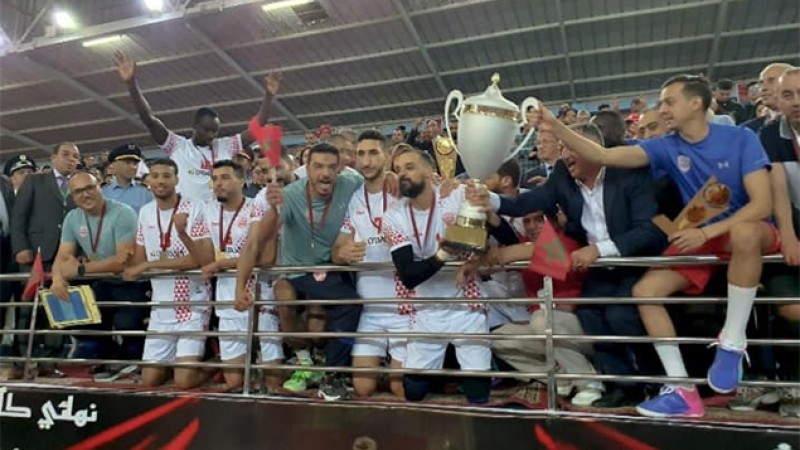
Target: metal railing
<point x="550" y="338"/>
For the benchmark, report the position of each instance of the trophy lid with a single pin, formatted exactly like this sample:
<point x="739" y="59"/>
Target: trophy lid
<point x="492" y="97"/>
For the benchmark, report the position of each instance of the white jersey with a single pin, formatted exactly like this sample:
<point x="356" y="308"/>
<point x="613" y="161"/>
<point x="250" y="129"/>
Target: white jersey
<point x="180" y="289"/>
<point x="259" y="209"/>
<point x="195" y="163"/>
<point x="399" y="231"/>
<point x="365" y="222"/>
<point x="239" y="226"/>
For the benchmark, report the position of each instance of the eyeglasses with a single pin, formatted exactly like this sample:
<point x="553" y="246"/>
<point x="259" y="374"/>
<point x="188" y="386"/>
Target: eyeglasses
<point x="88" y="189"/>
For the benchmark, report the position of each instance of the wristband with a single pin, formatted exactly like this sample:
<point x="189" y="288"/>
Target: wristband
<point x="442" y="255"/>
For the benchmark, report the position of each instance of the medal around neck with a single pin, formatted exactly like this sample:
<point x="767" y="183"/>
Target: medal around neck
<point x="488" y="125"/>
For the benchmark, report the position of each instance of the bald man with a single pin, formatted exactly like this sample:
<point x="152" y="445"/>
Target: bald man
<point x="769" y="94"/>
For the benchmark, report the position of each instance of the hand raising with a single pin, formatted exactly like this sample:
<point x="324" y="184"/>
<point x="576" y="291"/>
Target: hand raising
<point x="272" y="83"/>
<point x="126" y="67"/>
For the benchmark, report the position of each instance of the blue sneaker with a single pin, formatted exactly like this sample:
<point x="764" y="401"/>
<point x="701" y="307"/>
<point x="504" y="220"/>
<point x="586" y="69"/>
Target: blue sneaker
<point x="726" y="371"/>
<point x="673" y="401"/>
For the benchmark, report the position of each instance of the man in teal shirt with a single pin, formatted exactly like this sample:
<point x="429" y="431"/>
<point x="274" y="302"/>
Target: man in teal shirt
<point x="99" y="237"/>
<point x="311" y="214"/>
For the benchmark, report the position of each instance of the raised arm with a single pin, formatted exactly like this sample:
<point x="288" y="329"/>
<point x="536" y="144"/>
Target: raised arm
<point x="126" y="68"/>
<point x="625" y="156"/>
<point x="272" y="85"/>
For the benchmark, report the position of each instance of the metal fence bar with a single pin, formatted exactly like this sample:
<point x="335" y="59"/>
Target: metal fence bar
<point x="550" y="352"/>
<point x="410" y="335"/>
<point x="639" y="261"/>
<point x="27" y="372"/>
<point x="445" y="301"/>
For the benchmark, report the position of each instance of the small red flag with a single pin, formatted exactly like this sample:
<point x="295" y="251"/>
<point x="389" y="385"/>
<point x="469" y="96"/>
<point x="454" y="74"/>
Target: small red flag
<point x="36" y="278"/>
<point x="269" y="138"/>
<point x="551" y="254"/>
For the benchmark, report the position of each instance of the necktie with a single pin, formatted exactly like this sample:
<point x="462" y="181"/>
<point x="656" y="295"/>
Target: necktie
<point x="62" y="185"/>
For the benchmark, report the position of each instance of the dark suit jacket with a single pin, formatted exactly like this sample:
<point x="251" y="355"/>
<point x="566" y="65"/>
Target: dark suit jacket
<point x="755" y="124"/>
<point x="6" y="257"/>
<point x="39" y="210"/>
<point x="781" y="151"/>
<point x="628" y="199"/>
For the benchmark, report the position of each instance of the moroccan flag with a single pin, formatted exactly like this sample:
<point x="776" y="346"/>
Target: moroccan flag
<point x="36" y="278"/>
<point x="551" y="253"/>
<point x="269" y="138"/>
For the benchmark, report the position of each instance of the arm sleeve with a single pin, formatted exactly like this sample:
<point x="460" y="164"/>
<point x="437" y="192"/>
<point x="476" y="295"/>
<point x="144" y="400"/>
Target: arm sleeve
<point x="126" y="228"/>
<point x="504" y="233"/>
<point x="68" y="230"/>
<point x="413" y="273"/>
<point x="754" y="157"/>
<point x="643" y="237"/>
<point x="171" y="144"/>
<point x="20" y="216"/>
<point x="658" y="154"/>
<point x="541" y="198"/>
<point x="198" y="228"/>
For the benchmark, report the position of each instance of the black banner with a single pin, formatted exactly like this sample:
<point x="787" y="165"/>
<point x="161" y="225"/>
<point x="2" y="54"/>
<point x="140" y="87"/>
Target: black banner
<point x="33" y="418"/>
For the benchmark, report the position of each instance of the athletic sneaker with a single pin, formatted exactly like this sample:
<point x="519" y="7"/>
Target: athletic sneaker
<point x="116" y="372"/>
<point x="301" y="379"/>
<point x="673" y="401"/>
<point x="333" y="387"/>
<point x="726" y="371"/>
<point x="751" y="398"/>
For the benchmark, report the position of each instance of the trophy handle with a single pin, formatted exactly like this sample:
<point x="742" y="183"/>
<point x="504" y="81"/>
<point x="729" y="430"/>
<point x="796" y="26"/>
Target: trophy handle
<point x="459" y="97"/>
<point x="528" y="102"/>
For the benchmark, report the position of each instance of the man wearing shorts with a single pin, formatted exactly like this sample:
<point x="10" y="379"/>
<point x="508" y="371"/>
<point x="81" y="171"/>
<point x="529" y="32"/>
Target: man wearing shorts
<point x="692" y="153"/>
<point x="309" y="214"/>
<point x="413" y="228"/>
<point x="361" y="240"/>
<point x="172" y="235"/>
<point x="228" y="220"/>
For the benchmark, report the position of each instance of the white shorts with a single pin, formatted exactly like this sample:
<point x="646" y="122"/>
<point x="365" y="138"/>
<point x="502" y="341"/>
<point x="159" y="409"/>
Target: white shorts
<point x="271" y="347"/>
<point x="166" y="348"/>
<point x="235" y="347"/>
<point x="472" y="354"/>
<point x="379" y="322"/>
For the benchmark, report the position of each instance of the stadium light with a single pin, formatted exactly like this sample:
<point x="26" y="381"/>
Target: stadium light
<point x="103" y="40"/>
<point x="154" y="5"/>
<point x="64" y="20"/>
<point x="285" y="4"/>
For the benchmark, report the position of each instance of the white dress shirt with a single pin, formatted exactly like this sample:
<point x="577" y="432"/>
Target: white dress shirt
<point x="593" y="217"/>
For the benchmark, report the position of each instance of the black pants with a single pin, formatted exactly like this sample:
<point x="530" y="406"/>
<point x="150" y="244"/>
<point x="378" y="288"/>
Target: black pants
<point x="338" y="318"/>
<point x="616" y="320"/>
<point x="128" y="318"/>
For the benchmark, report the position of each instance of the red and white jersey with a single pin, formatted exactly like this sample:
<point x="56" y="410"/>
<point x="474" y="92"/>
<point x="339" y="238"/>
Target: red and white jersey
<point x="399" y="232"/>
<point x="257" y="212"/>
<point x="239" y="226"/>
<point x="195" y="163"/>
<point x="180" y="289"/>
<point x="365" y="222"/>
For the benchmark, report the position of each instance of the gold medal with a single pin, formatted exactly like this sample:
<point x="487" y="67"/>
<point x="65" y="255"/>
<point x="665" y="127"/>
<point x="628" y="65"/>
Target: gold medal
<point x="163" y="256"/>
<point x="220" y="256"/>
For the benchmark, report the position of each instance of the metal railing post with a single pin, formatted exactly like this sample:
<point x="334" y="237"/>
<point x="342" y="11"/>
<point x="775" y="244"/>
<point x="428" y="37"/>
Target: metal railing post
<point x="550" y="353"/>
<point x="252" y="312"/>
<point x="26" y="373"/>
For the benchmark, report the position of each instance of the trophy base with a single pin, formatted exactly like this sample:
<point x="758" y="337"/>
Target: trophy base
<point x="459" y="240"/>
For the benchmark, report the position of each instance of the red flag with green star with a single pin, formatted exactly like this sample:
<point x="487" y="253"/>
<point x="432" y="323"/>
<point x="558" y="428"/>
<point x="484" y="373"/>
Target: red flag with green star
<point x="551" y="254"/>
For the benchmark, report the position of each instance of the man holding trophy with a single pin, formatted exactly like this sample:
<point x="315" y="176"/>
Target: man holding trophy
<point x="722" y="174"/>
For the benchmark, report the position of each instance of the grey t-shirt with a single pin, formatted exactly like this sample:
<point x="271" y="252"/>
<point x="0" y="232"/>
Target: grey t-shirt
<point x="119" y="225"/>
<point x="299" y="245"/>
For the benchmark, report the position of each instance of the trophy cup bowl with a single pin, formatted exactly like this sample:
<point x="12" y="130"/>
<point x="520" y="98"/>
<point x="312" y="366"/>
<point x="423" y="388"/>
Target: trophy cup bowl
<point x="488" y="125"/>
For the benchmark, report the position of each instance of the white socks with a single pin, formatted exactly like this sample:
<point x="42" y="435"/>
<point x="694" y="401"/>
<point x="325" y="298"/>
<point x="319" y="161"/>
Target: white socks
<point x="672" y="361"/>
<point x="740" y="305"/>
